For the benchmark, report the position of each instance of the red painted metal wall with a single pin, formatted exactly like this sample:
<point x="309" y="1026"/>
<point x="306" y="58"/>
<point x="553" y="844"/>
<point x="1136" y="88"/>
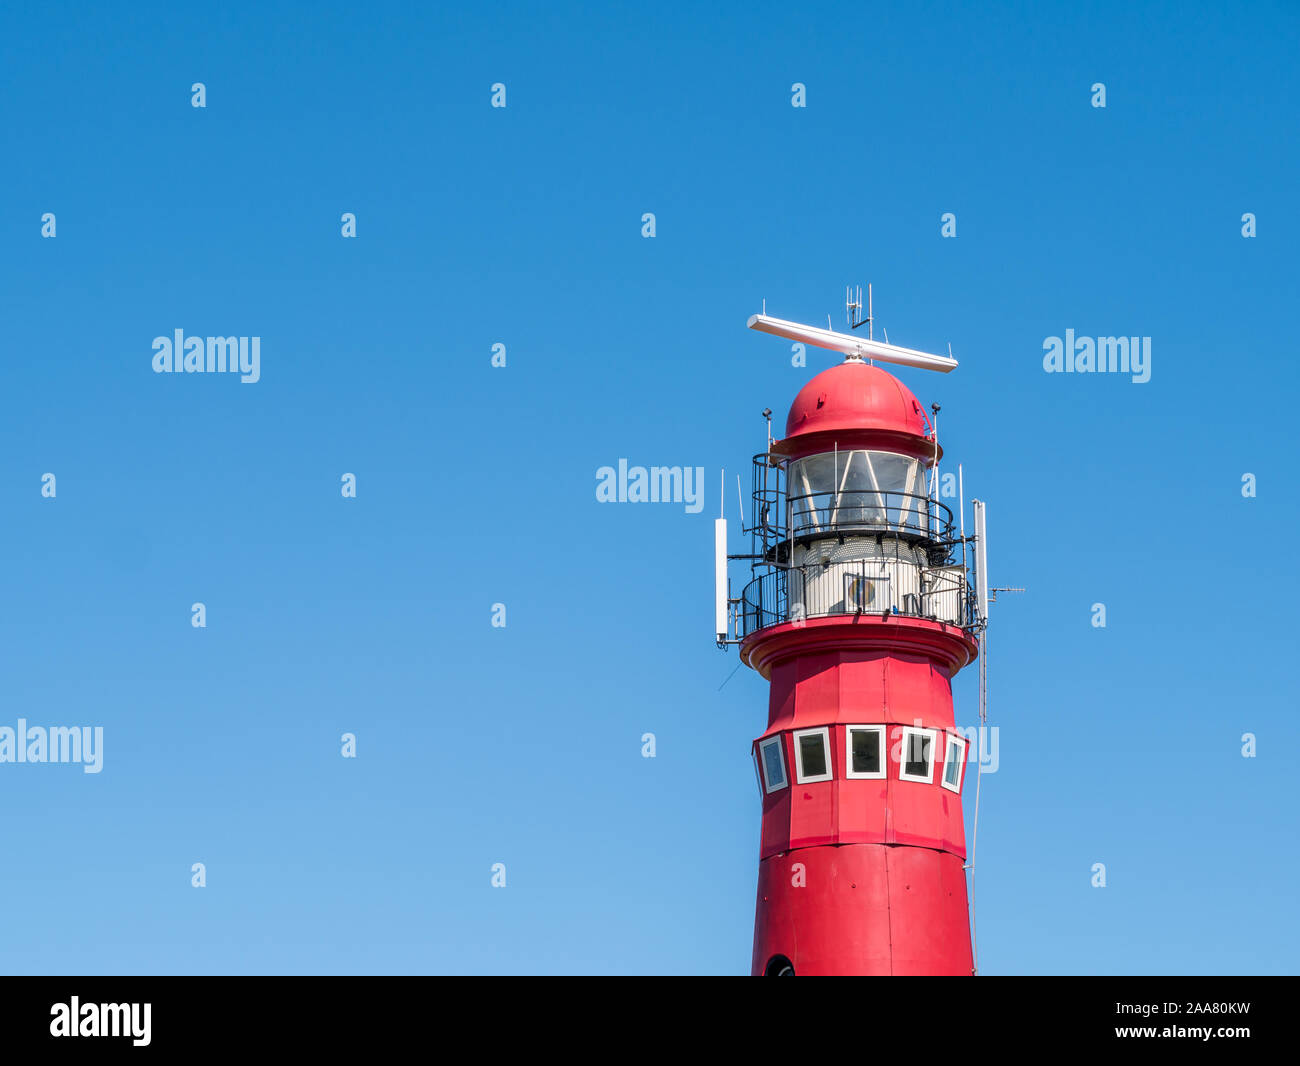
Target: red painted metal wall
<point x="865" y="909"/>
<point x="862" y="876"/>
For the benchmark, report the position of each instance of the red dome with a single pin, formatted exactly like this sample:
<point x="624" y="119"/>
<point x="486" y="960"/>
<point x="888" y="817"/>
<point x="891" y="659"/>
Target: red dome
<point x="854" y="404"/>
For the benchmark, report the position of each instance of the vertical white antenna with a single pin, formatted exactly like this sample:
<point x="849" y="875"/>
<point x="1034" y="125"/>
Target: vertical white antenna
<point x="961" y="505"/>
<point x="740" y="500"/>
<point x="981" y="570"/>
<point x="934" y="467"/>
<point x="934" y="470"/>
<point x="720" y="579"/>
<point x="720" y="586"/>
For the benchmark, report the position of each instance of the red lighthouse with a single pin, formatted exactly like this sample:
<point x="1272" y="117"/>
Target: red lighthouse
<point x="859" y="612"/>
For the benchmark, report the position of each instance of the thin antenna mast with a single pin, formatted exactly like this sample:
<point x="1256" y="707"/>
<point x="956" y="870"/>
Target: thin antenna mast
<point x="983" y="597"/>
<point x="982" y="606"/>
<point x="854" y="301"/>
<point x="853" y="305"/>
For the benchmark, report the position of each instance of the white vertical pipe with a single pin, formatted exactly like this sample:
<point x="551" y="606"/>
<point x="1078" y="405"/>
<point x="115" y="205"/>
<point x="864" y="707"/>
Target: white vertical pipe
<point x="981" y="562"/>
<point x="961" y="503"/>
<point x="720" y="577"/>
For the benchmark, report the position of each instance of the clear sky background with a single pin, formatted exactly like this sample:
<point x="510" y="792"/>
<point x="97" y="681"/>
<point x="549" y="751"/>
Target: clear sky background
<point x="476" y="485"/>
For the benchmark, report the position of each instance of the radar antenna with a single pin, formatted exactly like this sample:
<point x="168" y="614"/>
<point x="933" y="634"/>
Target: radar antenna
<point x="855" y="348"/>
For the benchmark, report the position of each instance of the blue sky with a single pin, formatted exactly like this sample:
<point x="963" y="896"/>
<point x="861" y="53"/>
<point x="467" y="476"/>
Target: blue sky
<point x="476" y="485"/>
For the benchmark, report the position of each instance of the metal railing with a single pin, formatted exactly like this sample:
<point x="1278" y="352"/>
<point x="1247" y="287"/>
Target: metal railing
<point x="874" y="510"/>
<point x="860" y="586"/>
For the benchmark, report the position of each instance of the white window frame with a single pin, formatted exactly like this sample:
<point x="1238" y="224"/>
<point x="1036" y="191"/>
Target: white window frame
<point x="763" y="745"/>
<point x="903" y="775"/>
<point x="849" y="772"/>
<point x="825" y="733"/>
<point x="949" y="740"/>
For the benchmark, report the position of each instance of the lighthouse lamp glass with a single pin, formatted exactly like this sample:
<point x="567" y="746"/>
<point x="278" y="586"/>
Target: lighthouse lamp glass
<point x="855" y="488"/>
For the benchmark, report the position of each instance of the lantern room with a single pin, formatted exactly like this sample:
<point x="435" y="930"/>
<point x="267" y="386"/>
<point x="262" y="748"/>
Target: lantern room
<point x="846" y="518"/>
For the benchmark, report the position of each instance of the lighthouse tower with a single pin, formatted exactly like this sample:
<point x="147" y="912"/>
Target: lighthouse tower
<point x="859" y="613"/>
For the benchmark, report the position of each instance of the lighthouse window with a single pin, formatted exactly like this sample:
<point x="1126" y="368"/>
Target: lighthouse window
<point x="857" y="488"/>
<point x="812" y="755"/>
<point x="773" y="764"/>
<point x="863" y="751"/>
<point x="918" y="755"/>
<point x="954" y="763"/>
